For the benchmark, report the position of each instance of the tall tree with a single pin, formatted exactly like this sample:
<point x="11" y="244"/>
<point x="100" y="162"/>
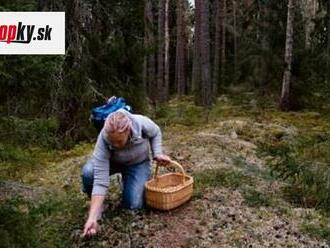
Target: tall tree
<point x="196" y="52"/>
<point x="309" y="8"/>
<point x="202" y="53"/>
<point x="163" y="45"/>
<point x="328" y="44"/>
<point x="166" y="56"/>
<point x="181" y="48"/>
<point x="223" y="41"/>
<point x="235" y="38"/>
<point x="220" y="45"/>
<point x="263" y="37"/>
<point x="285" y="94"/>
<point x="149" y="68"/>
<point x="70" y="107"/>
<point x="216" y="63"/>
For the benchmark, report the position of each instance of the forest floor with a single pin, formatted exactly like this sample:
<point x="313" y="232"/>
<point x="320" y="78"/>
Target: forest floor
<point x="237" y="200"/>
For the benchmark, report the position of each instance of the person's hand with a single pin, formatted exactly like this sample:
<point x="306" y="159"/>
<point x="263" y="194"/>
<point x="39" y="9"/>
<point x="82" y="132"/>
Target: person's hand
<point x="163" y="159"/>
<point x="90" y="229"/>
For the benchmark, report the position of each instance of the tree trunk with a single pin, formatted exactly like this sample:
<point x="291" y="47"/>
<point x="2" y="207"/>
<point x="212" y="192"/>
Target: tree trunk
<point x="285" y="94"/>
<point x="196" y="73"/>
<point x="205" y="82"/>
<point x="162" y="78"/>
<point x="149" y="70"/>
<point x="328" y="45"/>
<point x="166" y="56"/>
<point x="235" y="40"/>
<point x="309" y="9"/>
<point x="70" y="108"/>
<point x="223" y="42"/>
<point x="220" y="46"/>
<point x="263" y="40"/>
<point x="181" y="49"/>
<point x="216" y="65"/>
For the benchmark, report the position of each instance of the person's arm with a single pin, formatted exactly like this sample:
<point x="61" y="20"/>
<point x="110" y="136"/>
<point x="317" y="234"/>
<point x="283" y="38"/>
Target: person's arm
<point x="153" y="132"/>
<point x="100" y="158"/>
<point x="91" y="225"/>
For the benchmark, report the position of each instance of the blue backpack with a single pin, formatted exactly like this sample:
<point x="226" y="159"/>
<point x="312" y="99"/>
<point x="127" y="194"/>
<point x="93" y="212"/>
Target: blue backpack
<point x="99" y="114"/>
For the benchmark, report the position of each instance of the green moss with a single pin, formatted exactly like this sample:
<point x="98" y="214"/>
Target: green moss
<point x="319" y="231"/>
<point x="17" y="163"/>
<point x="23" y="132"/>
<point x="252" y="169"/>
<point x="49" y="223"/>
<point x="254" y="198"/>
<point x="183" y="113"/>
<point x="213" y="178"/>
<point x="9" y="153"/>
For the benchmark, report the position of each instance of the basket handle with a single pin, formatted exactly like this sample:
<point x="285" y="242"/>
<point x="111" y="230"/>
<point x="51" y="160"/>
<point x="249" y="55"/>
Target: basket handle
<point x="174" y="164"/>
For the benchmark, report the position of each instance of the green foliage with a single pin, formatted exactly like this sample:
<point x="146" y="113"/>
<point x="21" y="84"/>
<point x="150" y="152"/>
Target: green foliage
<point x="252" y="169"/>
<point x="115" y="55"/>
<point x="28" y="88"/>
<point x="66" y="87"/>
<point x="254" y="198"/>
<point x="18" y="5"/>
<point x="220" y="177"/>
<point x="305" y="169"/>
<point x="28" y="84"/>
<point x="48" y="224"/>
<point x="24" y="132"/>
<point x="16" y="225"/>
<point x="182" y="112"/>
<point x="261" y="31"/>
<point x="22" y="143"/>
<point x="260" y="49"/>
<point x="13" y="154"/>
<point x="318" y="231"/>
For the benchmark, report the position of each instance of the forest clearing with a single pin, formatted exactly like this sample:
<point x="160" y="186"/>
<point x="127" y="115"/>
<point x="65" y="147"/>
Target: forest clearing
<point x="237" y="201"/>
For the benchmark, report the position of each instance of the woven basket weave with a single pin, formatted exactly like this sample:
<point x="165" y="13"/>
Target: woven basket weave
<point x="170" y="190"/>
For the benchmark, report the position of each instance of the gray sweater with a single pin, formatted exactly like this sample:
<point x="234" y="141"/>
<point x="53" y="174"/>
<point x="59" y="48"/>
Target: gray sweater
<point x="145" y="132"/>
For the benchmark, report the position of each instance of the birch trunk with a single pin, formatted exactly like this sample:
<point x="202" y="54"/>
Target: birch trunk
<point x="285" y="94"/>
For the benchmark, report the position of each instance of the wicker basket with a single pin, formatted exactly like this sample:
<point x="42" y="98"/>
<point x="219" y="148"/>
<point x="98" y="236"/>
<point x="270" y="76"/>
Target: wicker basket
<point x="170" y="190"/>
